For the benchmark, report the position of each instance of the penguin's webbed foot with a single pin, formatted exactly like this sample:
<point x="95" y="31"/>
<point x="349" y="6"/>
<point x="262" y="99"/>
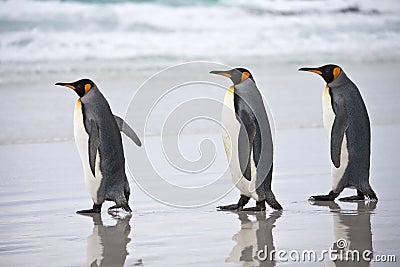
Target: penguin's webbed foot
<point x="321" y="198"/>
<point x="113" y="208"/>
<point x="91" y="211"/>
<point x="229" y="207"/>
<point x="352" y="198"/>
<point x="256" y="208"/>
<point x="241" y="203"/>
<point x="260" y="206"/>
<point x="96" y="209"/>
<point x="330" y="197"/>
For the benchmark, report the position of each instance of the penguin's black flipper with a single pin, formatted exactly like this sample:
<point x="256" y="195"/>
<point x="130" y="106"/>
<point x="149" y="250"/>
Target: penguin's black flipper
<point x="339" y="127"/>
<point x="93" y="145"/>
<point x="126" y="129"/>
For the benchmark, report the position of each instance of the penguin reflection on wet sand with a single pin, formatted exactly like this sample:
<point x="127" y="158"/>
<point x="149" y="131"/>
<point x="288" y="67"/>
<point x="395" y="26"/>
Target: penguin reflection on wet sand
<point x="106" y="246"/>
<point x="98" y="138"/>
<point x="248" y="141"/>
<point x="353" y="226"/>
<point x="347" y="124"/>
<point x="255" y="236"/>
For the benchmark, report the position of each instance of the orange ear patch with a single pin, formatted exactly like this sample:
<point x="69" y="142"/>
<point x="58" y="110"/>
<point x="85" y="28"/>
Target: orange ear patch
<point x="245" y="75"/>
<point x="87" y="87"/>
<point x="336" y="72"/>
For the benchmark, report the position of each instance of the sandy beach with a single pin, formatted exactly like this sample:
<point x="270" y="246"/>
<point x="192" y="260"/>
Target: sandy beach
<point x="39" y="225"/>
<point x="42" y="186"/>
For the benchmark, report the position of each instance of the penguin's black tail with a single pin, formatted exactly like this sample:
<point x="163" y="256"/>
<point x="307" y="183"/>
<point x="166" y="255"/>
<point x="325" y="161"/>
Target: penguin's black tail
<point x="369" y="192"/>
<point x="122" y="202"/>
<point x="125" y="204"/>
<point x="272" y="202"/>
<point x="126" y="207"/>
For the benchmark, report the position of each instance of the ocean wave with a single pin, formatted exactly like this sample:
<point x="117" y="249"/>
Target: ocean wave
<point x="287" y="12"/>
<point x="34" y="31"/>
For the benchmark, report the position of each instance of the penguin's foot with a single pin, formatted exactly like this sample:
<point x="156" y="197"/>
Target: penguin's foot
<point x="256" y="208"/>
<point x="321" y="198"/>
<point x="96" y="209"/>
<point x="87" y="211"/>
<point x="372" y="199"/>
<point x="241" y="203"/>
<point x="229" y="207"/>
<point x="352" y="198"/>
<point x="113" y="208"/>
<point x="260" y="206"/>
<point x="330" y="197"/>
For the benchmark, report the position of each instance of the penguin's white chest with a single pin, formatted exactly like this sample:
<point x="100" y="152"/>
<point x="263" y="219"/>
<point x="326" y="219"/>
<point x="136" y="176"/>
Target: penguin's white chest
<point x="328" y="119"/>
<point x="82" y="143"/>
<point x="230" y="135"/>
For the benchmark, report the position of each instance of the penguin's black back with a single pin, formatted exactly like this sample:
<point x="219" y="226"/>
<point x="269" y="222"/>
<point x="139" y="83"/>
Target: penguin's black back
<point x="358" y="132"/>
<point x="248" y="100"/>
<point x="112" y="164"/>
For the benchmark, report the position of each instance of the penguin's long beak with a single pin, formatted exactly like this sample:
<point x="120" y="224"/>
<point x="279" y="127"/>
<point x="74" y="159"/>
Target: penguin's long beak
<point x="315" y="70"/>
<point x="66" y="85"/>
<point x="221" y="72"/>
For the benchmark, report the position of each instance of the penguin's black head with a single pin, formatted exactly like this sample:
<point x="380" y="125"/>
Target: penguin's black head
<point x="237" y="75"/>
<point x="328" y="72"/>
<point x="80" y="87"/>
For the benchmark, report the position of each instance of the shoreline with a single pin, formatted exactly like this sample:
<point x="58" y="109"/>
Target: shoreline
<point x="44" y="111"/>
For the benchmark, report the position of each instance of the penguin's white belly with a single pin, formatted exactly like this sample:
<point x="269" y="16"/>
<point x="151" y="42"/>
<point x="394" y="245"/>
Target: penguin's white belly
<point x="328" y="119"/>
<point x="82" y="143"/>
<point x="230" y="135"/>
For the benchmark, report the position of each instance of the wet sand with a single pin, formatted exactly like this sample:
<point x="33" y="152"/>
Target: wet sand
<point x="42" y="186"/>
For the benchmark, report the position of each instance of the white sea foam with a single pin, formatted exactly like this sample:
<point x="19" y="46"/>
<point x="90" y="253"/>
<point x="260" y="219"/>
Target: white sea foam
<point x="32" y="31"/>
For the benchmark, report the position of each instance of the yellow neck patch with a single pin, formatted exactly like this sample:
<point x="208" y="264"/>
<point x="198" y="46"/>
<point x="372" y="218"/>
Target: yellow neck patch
<point x="231" y="89"/>
<point x="87" y="87"/>
<point x="336" y="72"/>
<point x="245" y="75"/>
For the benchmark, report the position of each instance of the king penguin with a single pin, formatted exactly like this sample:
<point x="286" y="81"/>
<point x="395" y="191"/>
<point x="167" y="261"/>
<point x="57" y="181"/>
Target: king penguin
<point x="98" y="139"/>
<point x="248" y="141"/>
<point x="347" y="125"/>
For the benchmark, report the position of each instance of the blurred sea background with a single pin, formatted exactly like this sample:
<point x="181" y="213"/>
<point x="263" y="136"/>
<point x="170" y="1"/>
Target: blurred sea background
<point x="49" y="37"/>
